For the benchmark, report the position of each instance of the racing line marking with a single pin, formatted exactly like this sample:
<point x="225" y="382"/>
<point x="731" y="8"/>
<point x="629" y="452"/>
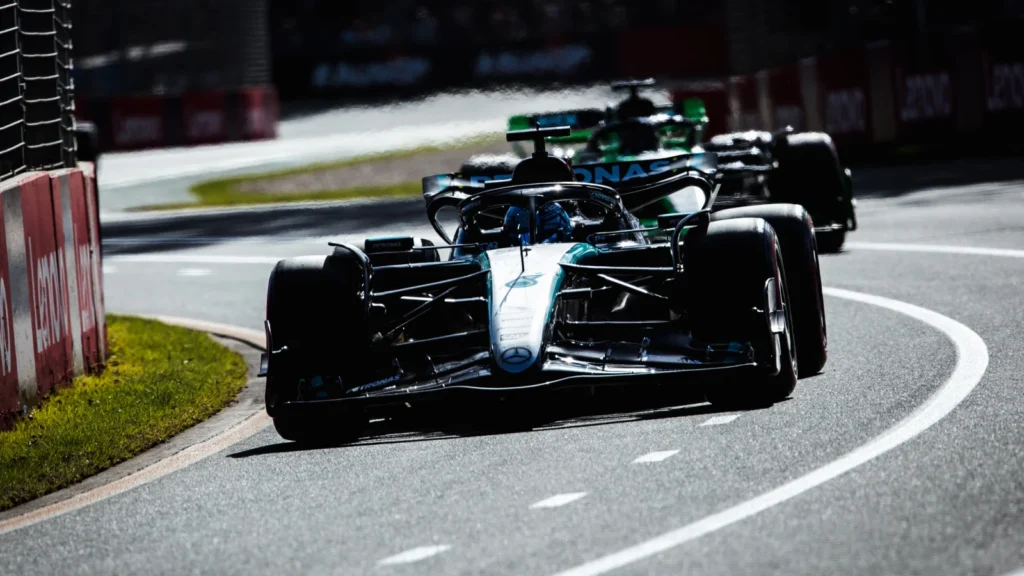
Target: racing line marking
<point x="194" y="272"/>
<point x="558" y="500"/>
<point x="719" y="420"/>
<point x="414" y="555"/>
<point x="655" y="456"/>
<point x="936" y="249"/>
<point x="971" y="362"/>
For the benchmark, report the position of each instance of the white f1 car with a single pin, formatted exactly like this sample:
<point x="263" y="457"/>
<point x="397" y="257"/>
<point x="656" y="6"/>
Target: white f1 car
<point x="548" y="283"/>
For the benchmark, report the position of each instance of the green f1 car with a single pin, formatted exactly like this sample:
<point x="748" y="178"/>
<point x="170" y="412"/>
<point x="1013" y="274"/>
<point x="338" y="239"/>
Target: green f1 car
<point x="756" y="167"/>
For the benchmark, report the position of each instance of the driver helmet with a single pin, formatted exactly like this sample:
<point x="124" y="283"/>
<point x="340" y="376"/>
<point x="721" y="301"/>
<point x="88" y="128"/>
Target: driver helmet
<point x="553" y="224"/>
<point x="636" y="106"/>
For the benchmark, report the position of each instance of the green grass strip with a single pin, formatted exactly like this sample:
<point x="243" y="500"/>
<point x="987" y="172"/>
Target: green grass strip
<point x="225" y="194"/>
<point x="159" y="380"/>
<point x="224" y="191"/>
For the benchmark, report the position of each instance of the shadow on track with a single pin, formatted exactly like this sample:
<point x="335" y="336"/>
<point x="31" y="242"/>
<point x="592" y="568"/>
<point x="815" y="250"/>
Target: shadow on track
<point x="176" y="232"/>
<point x="898" y="180"/>
<point x="392" y="432"/>
<point x="167" y="232"/>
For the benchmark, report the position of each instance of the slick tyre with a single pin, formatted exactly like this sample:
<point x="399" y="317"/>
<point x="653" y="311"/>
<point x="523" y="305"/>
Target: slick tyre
<point x="809" y="174"/>
<point x="730" y="271"/>
<point x="314" y="311"/>
<point x="795" y="231"/>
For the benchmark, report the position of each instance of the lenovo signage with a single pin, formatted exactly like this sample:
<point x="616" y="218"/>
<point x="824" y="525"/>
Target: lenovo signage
<point x="1005" y="87"/>
<point x="406" y="71"/>
<point x="137" y="122"/>
<point x="260" y="113"/>
<point x="562" y="60"/>
<point x="846" y="111"/>
<point x="926" y="97"/>
<point x="205" y="117"/>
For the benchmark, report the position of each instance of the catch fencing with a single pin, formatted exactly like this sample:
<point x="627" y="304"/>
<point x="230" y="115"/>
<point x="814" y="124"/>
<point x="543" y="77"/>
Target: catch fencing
<point x="37" y="129"/>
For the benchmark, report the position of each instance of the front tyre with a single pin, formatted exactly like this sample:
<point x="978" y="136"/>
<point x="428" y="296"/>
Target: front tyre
<point x="315" y="313"/>
<point x="737" y="278"/>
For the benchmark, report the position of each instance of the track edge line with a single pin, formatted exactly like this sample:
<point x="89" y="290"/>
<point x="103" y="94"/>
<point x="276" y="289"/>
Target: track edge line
<point x="244" y="427"/>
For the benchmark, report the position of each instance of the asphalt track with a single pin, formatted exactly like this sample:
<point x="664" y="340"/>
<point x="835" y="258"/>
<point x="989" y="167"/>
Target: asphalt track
<point x="902" y="457"/>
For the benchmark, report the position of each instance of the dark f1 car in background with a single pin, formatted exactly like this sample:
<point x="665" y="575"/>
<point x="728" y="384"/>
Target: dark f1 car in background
<point x="756" y="167"/>
<point x="726" y="303"/>
<point x="795" y="167"/>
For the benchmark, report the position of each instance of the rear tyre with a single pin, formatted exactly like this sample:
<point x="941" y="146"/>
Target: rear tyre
<point x="727" y="271"/>
<point x="809" y="174"/>
<point x="314" y="310"/>
<point x="796" y="234"/>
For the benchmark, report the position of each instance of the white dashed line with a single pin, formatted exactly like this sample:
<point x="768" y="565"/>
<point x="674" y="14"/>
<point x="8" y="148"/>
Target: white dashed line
<point x="971" y="363"/>
<point x="936" y="249"/>
<point x="719" y="420"/>
<point x="108" y="269"/>
<point x="559" y="500"/>
<point x="414" y="555"/>
<point x="655" y="456"/>
<point x="194" y="272"/>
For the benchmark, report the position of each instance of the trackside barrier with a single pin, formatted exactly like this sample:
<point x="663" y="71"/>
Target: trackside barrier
<point x="92" y="215"/>
<point x="887" y="95"/>
<point x="51" y="328"/>
<point x="196" y="118"/>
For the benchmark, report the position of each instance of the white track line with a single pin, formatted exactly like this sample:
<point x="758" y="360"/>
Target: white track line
<point x="414" y="555"/>
<point x="719" y="420"/>
<point x="558" y="500"/>
<point x="193" y="272"/>
<point x="972" y="360"/>
<point x="936" y="249"/>
<point x="244" y="429"/>
<point x="655" y="456"/>
<point x="192" y="259"/>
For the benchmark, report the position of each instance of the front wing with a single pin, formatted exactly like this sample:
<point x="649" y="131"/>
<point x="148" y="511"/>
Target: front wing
<point x="477" y="378"/>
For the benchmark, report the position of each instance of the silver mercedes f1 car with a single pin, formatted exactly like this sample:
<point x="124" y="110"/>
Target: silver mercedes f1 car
<point x="549" y="283"/>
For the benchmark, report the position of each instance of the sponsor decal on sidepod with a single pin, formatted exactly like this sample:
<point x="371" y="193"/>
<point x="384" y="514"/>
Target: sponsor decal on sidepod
<point x="601" y="174"/>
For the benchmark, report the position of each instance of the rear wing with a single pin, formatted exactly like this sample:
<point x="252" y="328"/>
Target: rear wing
<point x="582" y="121"/>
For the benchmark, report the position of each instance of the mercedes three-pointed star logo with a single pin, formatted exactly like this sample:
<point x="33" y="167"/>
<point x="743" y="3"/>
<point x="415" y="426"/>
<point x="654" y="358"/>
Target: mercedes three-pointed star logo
<point x="517" y="355"/>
